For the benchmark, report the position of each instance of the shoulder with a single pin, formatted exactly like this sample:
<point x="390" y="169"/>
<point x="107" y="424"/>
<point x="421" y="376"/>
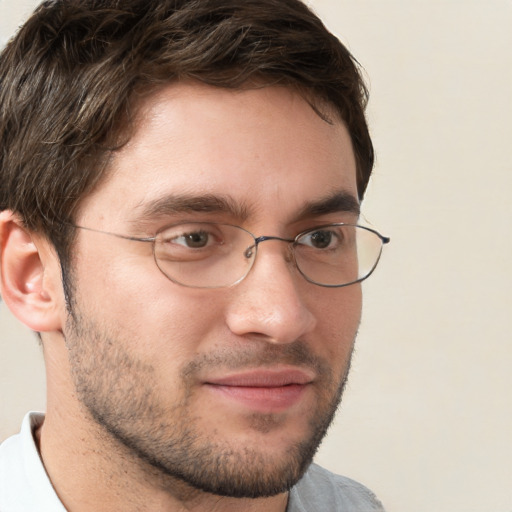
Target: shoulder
<point x="320" y="489"/>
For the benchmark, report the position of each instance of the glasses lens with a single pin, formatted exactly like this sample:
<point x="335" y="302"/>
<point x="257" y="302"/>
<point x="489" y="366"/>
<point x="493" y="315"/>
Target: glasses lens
<point x="204" y="255"/>
<point x="337" y="255"/>
<point x="210" y="255"/>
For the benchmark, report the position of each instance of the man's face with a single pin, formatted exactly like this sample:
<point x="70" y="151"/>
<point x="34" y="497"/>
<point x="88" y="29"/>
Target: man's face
<point x="230" y="389"/>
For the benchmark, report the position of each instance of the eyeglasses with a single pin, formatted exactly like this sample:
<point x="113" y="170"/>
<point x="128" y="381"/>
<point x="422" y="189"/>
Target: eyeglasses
<point x="212" y="255"/>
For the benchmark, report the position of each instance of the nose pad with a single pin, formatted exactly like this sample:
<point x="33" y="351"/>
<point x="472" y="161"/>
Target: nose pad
<point x="249" y="252"/>
<point x="289" y="255"/>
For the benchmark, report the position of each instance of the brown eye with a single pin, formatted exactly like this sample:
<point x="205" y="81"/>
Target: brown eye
<point x="194" y="240"/>
<point x="321" y="239"/>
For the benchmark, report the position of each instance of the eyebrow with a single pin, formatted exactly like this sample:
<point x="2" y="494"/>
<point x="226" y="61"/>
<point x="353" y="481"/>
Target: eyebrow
<point x="173" y="204"/>
<point x="337" y="202"/>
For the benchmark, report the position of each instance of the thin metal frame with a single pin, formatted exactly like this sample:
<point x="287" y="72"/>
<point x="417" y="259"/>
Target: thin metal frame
<point x="257" y="240"/>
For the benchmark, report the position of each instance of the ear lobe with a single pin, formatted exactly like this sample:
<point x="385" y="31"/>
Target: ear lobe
<point x="28" y="286"/>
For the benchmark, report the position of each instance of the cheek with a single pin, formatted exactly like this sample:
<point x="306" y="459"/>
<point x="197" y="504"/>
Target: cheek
<point x="338" y="316"/>
<point x="159" y="320"/>
<point x="184" y="325"/>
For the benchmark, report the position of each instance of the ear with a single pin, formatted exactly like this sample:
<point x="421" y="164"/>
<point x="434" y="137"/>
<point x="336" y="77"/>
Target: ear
<point x="29" y="275"/>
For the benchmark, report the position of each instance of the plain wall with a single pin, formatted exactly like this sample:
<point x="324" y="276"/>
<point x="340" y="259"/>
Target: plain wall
<point x="426" y="420"/>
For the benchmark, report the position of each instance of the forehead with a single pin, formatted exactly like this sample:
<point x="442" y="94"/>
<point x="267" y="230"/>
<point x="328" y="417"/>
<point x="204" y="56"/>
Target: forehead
<point x="262" y="148"/>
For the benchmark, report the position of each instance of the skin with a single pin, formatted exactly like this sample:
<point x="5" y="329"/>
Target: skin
<point x="136" y="373"/>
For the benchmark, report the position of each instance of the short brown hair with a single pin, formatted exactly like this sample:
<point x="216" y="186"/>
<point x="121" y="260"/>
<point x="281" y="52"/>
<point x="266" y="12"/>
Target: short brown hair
<point x="70" y="79"/>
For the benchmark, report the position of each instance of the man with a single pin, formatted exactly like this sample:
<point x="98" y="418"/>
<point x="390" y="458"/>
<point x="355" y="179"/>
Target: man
<point x="180" y="194"/>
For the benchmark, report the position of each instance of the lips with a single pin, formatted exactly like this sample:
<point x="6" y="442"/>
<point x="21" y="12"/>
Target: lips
<point x="263" y="390"/>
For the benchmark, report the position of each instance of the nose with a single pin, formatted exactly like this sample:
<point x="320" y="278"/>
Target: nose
<point x="270" y="302"/>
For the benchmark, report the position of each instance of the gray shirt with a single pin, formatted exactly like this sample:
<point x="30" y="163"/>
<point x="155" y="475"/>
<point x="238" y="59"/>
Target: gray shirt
<point x="320" y="490"/>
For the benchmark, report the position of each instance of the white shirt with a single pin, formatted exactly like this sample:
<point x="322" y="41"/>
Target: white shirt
<point x="24" y="484"/>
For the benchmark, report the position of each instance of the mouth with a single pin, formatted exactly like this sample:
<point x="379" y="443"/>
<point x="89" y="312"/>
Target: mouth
<point x="263" y="390"/>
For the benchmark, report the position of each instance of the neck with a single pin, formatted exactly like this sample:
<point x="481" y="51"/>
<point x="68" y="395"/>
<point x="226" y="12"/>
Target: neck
<point x="91" y="471"/>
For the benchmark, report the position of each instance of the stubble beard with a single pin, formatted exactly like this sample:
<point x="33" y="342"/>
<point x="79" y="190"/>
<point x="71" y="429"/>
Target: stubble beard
<point x="117" y="391"/>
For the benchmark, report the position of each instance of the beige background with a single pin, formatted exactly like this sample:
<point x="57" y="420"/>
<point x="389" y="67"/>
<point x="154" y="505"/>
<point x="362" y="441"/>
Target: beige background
<point x="427" y="419"/>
